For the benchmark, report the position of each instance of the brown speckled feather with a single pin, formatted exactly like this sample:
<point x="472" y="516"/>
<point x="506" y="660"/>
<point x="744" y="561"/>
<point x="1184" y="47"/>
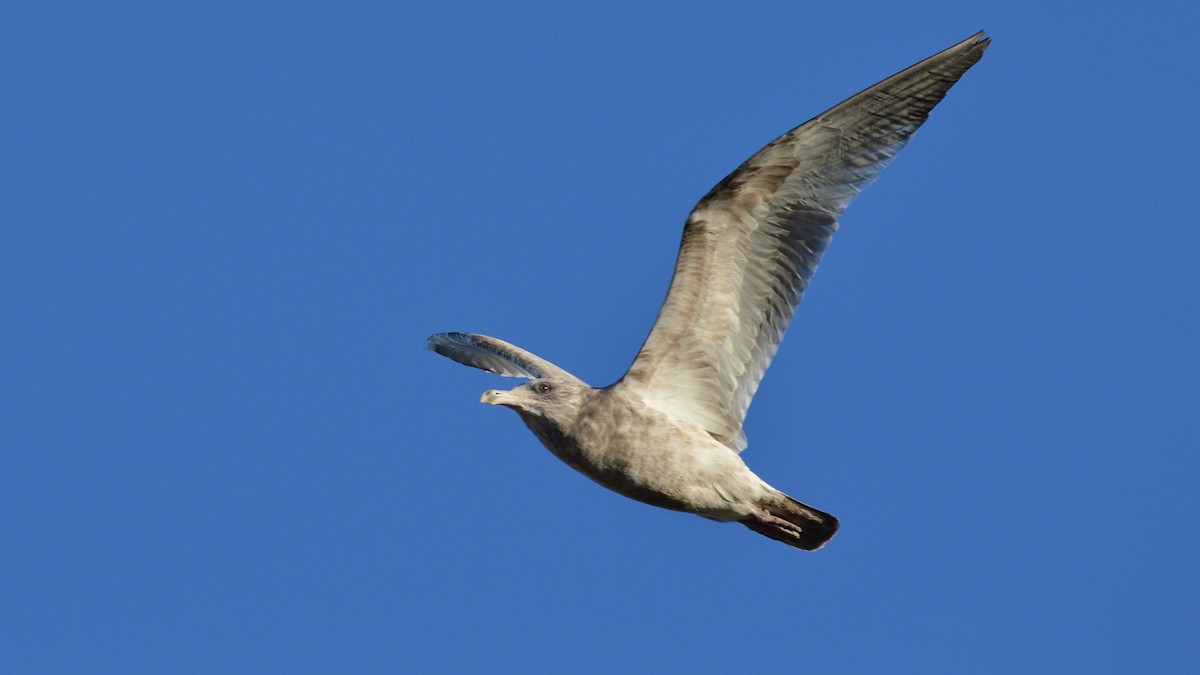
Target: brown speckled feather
<point x="753" y="242"/>
<point x="668" y="434"/>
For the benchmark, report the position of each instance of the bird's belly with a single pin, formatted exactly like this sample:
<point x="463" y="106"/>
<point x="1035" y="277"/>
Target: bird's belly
<point x="660" y="465"/>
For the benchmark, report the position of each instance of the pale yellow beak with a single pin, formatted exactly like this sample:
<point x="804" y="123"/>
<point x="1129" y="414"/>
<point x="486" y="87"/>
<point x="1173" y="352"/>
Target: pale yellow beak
<point x="491" y="397"/>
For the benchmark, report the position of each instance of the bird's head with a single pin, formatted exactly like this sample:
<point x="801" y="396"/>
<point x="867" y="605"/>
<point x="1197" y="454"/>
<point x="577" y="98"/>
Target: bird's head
<point x="546" y="397"/>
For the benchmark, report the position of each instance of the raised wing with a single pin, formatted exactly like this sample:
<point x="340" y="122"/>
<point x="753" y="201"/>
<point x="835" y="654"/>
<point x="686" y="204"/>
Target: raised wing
<point x="753" y="242"/>
<point x="493" y="355"/>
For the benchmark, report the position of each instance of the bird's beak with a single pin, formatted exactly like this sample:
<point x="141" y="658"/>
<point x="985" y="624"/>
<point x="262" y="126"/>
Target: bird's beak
<point x="491" y="397"/>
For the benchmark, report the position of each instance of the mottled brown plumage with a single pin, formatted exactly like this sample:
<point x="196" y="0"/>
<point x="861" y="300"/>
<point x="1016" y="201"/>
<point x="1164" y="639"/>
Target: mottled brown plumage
<point x="669" y="432"/>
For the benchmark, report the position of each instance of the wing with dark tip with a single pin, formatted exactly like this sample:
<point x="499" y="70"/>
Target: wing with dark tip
<point x="751" y="245"/>
<point x="493" y="355"/>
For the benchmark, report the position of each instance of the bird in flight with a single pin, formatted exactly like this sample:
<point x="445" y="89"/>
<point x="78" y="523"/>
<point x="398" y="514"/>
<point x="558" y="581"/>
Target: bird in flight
<point x="669" y="432"/>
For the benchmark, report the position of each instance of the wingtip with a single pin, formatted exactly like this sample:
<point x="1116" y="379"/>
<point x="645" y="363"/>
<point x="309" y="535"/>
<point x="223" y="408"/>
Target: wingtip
<point x="971" y="49"/>
<point x="447" y="339"/>
<point x="432" y="342"/>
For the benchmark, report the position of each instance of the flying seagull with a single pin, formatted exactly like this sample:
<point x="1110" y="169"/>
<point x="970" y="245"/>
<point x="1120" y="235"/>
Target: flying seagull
<point x="669" y="432"/>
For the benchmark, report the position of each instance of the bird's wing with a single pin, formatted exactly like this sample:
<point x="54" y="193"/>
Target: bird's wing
<point x="752" y="243"/>
<point x="493" y="355"/>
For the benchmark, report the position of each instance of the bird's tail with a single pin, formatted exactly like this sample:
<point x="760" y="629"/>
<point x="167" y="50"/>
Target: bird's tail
<point x="795" y="524"/>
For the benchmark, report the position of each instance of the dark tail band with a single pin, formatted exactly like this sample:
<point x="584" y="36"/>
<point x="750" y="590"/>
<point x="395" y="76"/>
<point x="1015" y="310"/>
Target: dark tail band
<point x="794" y="524"/>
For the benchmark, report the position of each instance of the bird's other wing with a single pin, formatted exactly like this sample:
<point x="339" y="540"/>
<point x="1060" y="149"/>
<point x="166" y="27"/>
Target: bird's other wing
<point x="493" y="355"/>
<point x="752" y="243"/>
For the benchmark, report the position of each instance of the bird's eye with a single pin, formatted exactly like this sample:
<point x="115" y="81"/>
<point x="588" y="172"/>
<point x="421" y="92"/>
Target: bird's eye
<point x="542" y="388"/>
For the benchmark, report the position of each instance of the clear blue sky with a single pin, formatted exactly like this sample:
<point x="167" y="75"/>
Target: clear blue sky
<point x="228" y="229"/>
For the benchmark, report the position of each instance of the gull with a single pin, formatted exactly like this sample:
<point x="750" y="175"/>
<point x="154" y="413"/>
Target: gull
<point x="669" y="432"/>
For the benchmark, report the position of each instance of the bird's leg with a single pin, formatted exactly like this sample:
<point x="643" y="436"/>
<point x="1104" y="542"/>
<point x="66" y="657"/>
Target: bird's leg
<point x="767" y="517"/>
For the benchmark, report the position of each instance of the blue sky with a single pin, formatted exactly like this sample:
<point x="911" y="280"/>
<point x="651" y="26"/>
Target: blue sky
<point x="230" y="227"/>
